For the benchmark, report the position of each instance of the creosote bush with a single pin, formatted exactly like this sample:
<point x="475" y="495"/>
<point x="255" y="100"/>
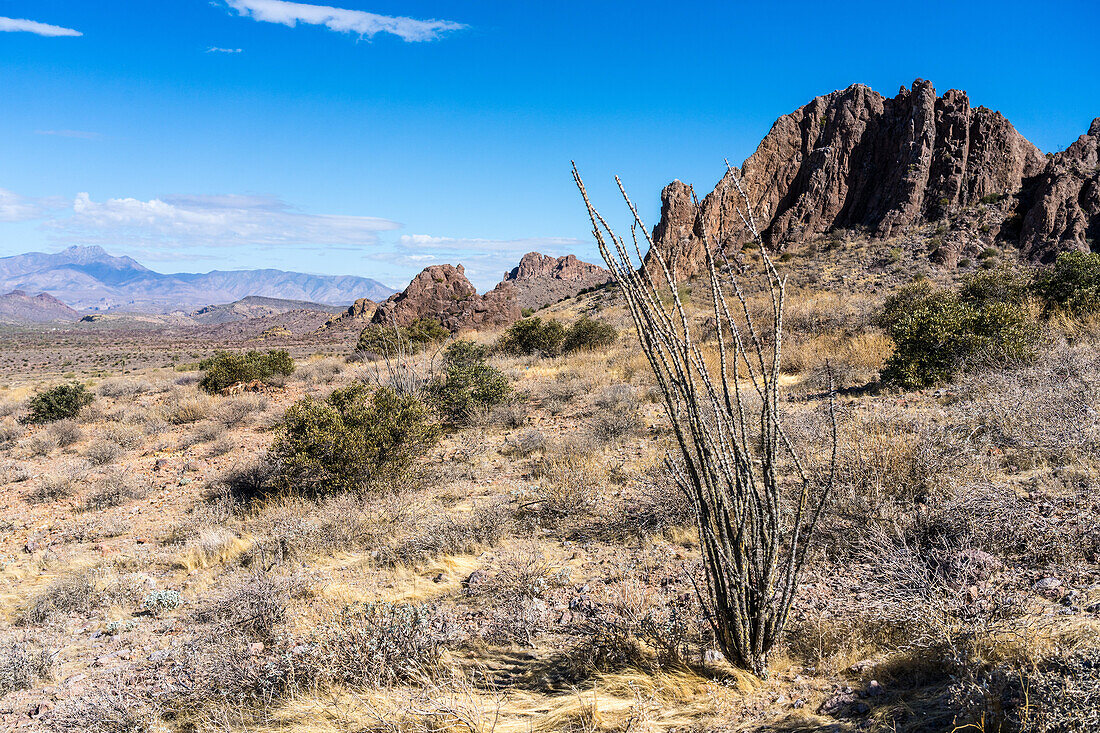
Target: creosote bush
<point x="388" y="340"/>
<point x="227" y="368"/>
<point x="58" y="403"/>
<point x="533" y="336"/>
<point x="468" y="385"/>
<point x="1072" y="284"/>
<point x="588" y="334"/>
<point x="939" y="333"/>
<point x="353" y="441"/>
<point x="551" y="338"/>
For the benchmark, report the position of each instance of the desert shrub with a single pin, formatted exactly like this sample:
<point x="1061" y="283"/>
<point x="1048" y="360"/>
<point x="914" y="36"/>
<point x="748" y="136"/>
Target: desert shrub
<point x="254" y="606"/>
<point x="320" y="371"/>
<point x="236" y="411"/>
<point x="58" y="403"/>
<point x="362" y="645"/>
<point x="184" y="410"/>
<point x="22" y="663"/>
<point x="161" y="602"/>
<point x="587" y="334"/>
<point x="456" y="534"/>
<point x="113" y="489"/>
<point x="113" y="709"/>
<point x="468" y="384"/>
<point x="1063" y="694"/>
<point x="533" y="336"/>
<point x="59" y="484"/>
<point x="353" y="440"/>
<point x="387" y="341"/>
<point x="66" y="433"/>
<point x="74" y="593"/>
<point x="227" y="368"/>
<point x="124" y="387"/>
<point x="102" y="451"/>
<point x="10" y="430"/>
<point x="248" y="481"/>
<point x="526" y="443"/>
<point x="42" y="443"/>
<point x="938" y="333"/>
<point x="619" y="414"/>
<point x="1071" y="284"/>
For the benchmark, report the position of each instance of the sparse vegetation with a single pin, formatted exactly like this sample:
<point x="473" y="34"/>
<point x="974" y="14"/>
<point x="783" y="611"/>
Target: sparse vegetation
<point x="389" y="341"/>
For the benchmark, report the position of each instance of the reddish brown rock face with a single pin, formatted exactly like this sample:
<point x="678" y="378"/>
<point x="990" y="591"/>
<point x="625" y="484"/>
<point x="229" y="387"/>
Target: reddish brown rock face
<point x="442" y="292"/>
<point x="539" y="280"/>
<point x="854" y="158"/>
<point x="1065" y="203"/>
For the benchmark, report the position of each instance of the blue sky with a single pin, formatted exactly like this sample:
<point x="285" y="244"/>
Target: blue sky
<point x="376" y="137"/>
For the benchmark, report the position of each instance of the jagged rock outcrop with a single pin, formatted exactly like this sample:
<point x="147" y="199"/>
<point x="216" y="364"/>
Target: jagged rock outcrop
<point x="359" y="312"/>
<point x="442" y="292"/>
<point x="853" y="158"/>
<point x="1065" y="202"/>
<point x="540" y="280"/>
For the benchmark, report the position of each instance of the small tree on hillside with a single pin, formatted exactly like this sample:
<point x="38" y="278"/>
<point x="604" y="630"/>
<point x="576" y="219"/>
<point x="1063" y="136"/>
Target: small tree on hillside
<point x="756" y="506"/>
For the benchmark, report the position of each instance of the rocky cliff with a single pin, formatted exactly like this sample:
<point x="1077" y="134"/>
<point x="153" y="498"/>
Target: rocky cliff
<point x="856" y="159"/>
<point x="444" y="293"/>
<point x="1064" y="210"/>
<point x="540" y="280"/>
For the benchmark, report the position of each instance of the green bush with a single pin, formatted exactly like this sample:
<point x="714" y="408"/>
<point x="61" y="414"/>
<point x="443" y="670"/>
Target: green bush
<point x="468" y="384"/>
<point x="587" y="334"/>
<point x="1071" y="284"/>
<point x="58" y="403"/>
<point x="937" y="333"/>
<point x="353" y="441"/>
<point x="227" y="368"/>
<point x="533" y="336"/>
<point x="387" y="341"/>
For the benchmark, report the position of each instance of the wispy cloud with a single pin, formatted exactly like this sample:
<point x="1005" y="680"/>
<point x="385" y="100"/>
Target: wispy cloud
<point x="360" y="22"/>
<point x="14" y="207"/>
<point x="76" y="134"/>
<point x="13" y="25"/>
<point x="217" y="49"/>
<point x="211" y="221"/>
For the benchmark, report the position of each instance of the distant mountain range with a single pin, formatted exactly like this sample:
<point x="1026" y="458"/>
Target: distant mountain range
<point x="90" y="279"/>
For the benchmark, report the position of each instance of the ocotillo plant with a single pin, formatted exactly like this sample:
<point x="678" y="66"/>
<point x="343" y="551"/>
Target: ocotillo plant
<point x="756" y="505"/>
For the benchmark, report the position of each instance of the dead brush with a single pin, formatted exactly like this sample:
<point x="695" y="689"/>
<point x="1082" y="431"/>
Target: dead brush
<point x="112" y="708"/>
<point x="255" y="606"/>
<point x="569" y="484"/>
<point x="10" y="430"/>
<point x="23" y="661"/>
<point x="238" y="411"/>
<point x="181" y="408"/>
<point x="482" y="527"/>
<point x="75" y="593"/>
<point x="66" y="433"/>
<point x="113" y="489"/>
<point x="59" y="484"/>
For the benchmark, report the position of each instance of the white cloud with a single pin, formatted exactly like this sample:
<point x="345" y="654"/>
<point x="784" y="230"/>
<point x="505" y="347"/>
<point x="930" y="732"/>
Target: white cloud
<point x="12" y="25"/>
<point x="216" y="49"/>
<point x="14" y="207"/>
<point x="365" y="24"/>
<point x="76" y="134"/>
<point x="212" y="221"/>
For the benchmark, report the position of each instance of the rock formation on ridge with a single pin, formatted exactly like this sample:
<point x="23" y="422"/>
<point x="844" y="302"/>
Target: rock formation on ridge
<point x="853" y="158"/>
<point x="1065" y="203"/>
<point x="540" y="280"/>
<point x="444" y="293"/>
